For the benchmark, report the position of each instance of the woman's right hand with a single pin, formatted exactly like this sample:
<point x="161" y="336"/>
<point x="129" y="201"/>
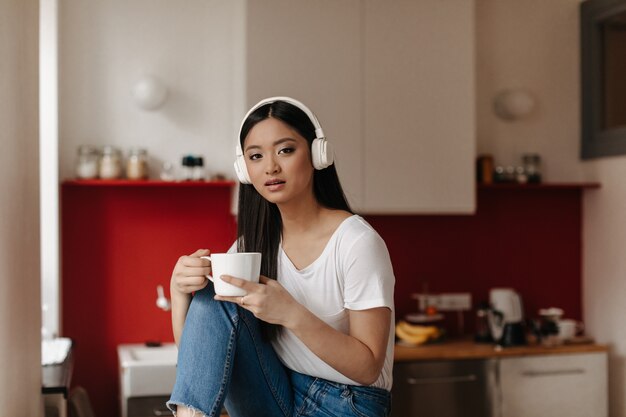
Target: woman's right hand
<point x="190" y="273"/>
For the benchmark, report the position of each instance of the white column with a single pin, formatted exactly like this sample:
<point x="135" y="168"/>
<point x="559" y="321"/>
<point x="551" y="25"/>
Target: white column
<point x="49" y="166"/>
<point x="20" y="317"/>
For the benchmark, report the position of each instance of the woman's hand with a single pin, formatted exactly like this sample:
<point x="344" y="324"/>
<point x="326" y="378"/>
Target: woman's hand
<point x="190" y="272"/>
<point x="267" y="300"/>
<point x="188" y="276"/>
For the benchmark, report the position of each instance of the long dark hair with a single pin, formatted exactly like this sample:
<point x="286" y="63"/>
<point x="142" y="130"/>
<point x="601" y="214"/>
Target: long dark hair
<point x="259" y="225"/>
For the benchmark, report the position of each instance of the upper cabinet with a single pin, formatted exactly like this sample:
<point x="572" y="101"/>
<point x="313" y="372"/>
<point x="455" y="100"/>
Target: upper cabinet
<point x="418" y="109"/>
<point x="393" y="86"/>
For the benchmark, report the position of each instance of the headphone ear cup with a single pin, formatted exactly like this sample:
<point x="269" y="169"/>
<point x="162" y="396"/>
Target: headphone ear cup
<point x="241" y="170"/>
<point x="322" y="153"/>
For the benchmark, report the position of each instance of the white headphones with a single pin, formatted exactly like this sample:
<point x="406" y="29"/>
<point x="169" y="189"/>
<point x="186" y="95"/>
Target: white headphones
<point x="321" y="151"/>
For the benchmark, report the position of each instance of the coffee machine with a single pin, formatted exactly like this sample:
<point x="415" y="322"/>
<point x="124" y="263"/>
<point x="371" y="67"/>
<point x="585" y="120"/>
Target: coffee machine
<point x="506" y="317"/>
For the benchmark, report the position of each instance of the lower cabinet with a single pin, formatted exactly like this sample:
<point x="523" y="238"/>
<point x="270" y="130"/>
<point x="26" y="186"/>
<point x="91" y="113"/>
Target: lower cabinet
<point x="572" y="385"/>
<point x="557" y="385"/>
<point x="454" y="388"/>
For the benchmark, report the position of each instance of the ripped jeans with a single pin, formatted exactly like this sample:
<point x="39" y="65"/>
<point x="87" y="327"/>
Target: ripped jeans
<point x="223" y="361"/>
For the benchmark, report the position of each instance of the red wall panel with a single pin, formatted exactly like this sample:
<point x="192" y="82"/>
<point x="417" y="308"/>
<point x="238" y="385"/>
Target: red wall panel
<point x="527" y="238"/>
<point x="119" y="242"/>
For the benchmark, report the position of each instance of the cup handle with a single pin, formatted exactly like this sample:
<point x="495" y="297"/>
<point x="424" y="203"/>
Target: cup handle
<point x="580" y="327"/>
<point x="208" y="276"/>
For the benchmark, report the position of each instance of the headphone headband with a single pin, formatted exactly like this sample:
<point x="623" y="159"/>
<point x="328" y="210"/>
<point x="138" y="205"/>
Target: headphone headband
<point x="319" y="133"/>
<point x="321" y="150"/>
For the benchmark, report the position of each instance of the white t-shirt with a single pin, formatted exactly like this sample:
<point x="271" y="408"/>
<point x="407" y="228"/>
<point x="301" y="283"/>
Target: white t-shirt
<point x="353" y="272"/>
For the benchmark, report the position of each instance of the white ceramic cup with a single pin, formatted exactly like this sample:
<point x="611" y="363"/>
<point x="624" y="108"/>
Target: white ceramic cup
<point x="568" y="328"/>
<point x="239" y="265"/>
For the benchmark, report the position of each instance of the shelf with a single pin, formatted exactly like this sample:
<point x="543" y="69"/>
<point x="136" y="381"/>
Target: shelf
<point x="543" y="186"/>
<point x="146" y="183"/>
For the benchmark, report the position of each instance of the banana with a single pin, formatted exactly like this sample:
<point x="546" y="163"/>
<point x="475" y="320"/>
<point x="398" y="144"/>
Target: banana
<point x="410" y="338"/>
<point x="415" y="334"/>
<point x="417" y="329"/>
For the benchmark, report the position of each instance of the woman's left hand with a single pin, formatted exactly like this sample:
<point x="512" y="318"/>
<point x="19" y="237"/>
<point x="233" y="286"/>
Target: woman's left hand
<point x="267" y="299"/>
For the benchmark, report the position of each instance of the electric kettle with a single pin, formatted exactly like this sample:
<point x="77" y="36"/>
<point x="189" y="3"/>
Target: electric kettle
<point x="506" y="317"/>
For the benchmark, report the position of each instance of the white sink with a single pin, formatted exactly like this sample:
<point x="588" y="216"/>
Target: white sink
<point x="147" y="371"/>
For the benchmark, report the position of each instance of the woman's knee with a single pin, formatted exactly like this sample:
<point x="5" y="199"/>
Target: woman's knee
<point x="203" y="303"/>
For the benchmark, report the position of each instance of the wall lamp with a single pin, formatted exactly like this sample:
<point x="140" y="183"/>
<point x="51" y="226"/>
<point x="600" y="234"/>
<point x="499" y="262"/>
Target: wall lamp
<point x="513" y="104"/>
<point x="149" y="93"/>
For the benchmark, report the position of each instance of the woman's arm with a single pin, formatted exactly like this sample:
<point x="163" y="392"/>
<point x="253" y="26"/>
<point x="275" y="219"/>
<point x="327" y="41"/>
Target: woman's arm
<point x="189" y="275"/>
<point x="358" y="355"/>
<point x="180" y="306"/>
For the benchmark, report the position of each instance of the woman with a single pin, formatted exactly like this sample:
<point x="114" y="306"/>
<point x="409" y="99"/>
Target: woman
<point x="313" y="337"/>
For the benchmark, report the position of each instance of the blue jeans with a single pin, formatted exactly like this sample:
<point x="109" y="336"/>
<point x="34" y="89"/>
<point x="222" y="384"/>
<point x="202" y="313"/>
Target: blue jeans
<point x="223" y="360"/>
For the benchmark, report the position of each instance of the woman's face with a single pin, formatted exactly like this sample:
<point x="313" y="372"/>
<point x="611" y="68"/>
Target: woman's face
<point x="278" y="161"/>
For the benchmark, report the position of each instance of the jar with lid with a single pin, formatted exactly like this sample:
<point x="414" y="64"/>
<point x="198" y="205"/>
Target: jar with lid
<point x="137" y="164"/>
<point x="87" y="162"/>
<point x="110" y="163"/>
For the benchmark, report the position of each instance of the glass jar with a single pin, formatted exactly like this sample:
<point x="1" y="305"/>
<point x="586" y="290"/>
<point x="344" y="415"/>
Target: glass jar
<point x="110" y="163"/>
<point x="532" y="167"/>
<point x="137" y="164"/>
<point x="87" y="162"/>
<point x="482" y="330"/>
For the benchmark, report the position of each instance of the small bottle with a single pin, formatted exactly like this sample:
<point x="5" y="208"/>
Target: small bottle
<point x="520" y="175"/>
<point x="198" y="169"/>
<point x="110" y="163"/>
<point x="167" y="172"/>
<point x="498" y="174"/>
<point x="87" y="162"/>
<point x="137" y="164"/>
<point x="510" y="174"/>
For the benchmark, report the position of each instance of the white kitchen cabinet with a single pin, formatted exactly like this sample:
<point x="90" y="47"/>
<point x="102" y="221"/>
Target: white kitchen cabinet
<point x="392" y="84"/>
<point x="419" y="105"/>
<point x="572" y="385"/>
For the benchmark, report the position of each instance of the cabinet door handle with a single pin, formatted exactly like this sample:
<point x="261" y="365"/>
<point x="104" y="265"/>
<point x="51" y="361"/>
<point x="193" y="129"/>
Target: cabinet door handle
<point x="554" y="372"/>
<point x="442" y="380"/>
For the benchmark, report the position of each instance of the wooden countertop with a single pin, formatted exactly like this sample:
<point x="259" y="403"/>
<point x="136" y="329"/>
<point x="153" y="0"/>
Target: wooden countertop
<point x="467" y="349"/>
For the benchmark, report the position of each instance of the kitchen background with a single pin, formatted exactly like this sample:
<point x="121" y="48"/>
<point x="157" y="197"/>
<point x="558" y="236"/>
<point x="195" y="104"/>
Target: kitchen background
<point x="209" y="56"/>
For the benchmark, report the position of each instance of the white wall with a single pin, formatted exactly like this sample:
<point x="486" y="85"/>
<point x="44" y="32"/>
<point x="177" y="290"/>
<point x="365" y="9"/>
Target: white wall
<point x="20" y="318"/>
<point x="604" y="269"/>
<point x="195" y="47"/>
